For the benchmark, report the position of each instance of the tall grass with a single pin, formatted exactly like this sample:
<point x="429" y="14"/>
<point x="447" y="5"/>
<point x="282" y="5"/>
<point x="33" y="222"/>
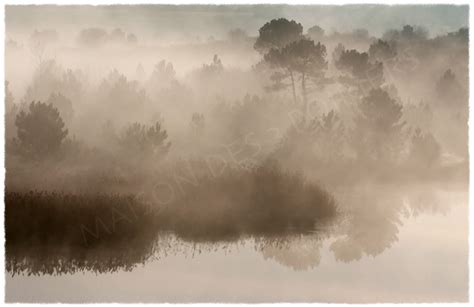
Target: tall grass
<point x="54" y="232"/>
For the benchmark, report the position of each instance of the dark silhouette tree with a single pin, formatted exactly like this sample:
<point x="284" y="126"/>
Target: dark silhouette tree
<point x="41" y="131"/>
<point x="462" y="34"/>
<point x="366" y="74"/>
<point x="273" y="37"/>
<point x="303" y="57"/>
<point x="308" y="59"/>
<point x="277" y="34"/>
<point x="381" y="51"/>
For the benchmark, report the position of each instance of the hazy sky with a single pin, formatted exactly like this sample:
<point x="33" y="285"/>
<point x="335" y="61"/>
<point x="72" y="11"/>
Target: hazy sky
<point x="216" y="20"/>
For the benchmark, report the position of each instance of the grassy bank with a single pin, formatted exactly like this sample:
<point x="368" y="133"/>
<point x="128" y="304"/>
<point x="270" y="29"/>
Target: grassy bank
<point x="61" y="232"/>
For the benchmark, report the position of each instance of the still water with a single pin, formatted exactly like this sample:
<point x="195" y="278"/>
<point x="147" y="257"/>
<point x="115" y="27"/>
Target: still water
<point x="400" y="245"/>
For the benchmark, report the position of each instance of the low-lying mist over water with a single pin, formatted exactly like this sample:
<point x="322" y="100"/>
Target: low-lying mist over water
<point x="258" y="151"/>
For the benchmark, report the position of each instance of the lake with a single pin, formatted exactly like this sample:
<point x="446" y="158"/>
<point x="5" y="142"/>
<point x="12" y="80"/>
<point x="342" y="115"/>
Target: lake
<point x="401" y="244"/>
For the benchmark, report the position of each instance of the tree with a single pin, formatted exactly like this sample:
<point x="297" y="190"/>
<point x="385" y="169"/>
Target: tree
<point x="303" y="57"/>
<point x="120" y="93"/>
<point x="43" y="38"/>
<point x="63" y="104"/>
<point x="11" y="110"/>
<point x="273" y="37"/>
<point x="449" y="89"/>
<point x="197" y="123"/>
<point x="237" y="35"/>
<point x="361" y="69"/>
<point x="408" y="33"/>
<point x="117" y="35"/>
<point x="39" y="41"/>
<point x="308" y="59"/>
<point x="92" y="37"/>
<point x="316" y="33"/>
<point x="277" y="34"/>
<point x="378" y="127"/>
<point x="163" y="73"/>
<point x="337" y="52"/>
<point x="424" y="150"/>
<point x="41" y="131"/>
<point x="148" y="141"/>
<point x="132" y="38"/>
<point x="215" y="67"/>
<point x="9" y="99"/>
<point x="140" y="72"/>
<point x="462" y="34"/>
<point x="381" y="51"/>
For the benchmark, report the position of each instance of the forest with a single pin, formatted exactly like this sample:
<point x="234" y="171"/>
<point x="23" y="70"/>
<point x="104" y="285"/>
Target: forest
<point x="119" y="149"/>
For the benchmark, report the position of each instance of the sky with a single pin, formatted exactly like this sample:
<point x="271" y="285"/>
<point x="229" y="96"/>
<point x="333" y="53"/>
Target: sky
<point x="217" y="20"/>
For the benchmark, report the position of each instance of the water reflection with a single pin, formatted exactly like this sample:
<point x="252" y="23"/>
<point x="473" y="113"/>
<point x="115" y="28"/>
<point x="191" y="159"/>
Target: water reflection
<point x="370" y="221"/>
<point x="372" y="218"/>
<point x="297" y="252"/>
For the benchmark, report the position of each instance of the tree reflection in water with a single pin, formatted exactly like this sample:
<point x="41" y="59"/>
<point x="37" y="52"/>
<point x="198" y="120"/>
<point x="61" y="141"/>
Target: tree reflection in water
<point x="368" y="225"/>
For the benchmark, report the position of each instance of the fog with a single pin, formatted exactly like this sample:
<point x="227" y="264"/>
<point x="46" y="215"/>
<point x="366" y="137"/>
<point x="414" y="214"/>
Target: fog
<point x="136" y="133"/>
